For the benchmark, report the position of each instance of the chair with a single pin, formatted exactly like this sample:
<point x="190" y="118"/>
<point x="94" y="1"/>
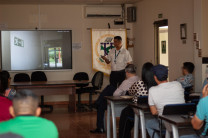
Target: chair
<point x="80" y="76"/>
<point x="40" y="76"/>
<point x="97" y="82"/>
<point x="21" y="77"/>
<point x="187" y="93"/>
<point x="176" y="109"/>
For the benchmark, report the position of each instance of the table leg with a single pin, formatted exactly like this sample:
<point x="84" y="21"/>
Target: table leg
<point x="136" y="122"/>
<point x="114" y="119"/>
<point x="142" y="120"/>
<point x="108" y="121"/>
<point x="167" y="134"/>
<point x="175" y="131"/>
<point x="72" y="100"/>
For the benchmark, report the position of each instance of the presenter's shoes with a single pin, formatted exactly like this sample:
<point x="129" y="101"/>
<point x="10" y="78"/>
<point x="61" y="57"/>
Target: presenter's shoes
<point x="97" y="130"/>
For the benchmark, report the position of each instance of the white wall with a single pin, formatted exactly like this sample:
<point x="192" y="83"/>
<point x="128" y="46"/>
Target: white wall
<point x="177" y="12"/>
<point x="61" y="17"/>
<point x="198" y="30"/>
<point x="6" y="61"/>
<point x="30" y="54"/>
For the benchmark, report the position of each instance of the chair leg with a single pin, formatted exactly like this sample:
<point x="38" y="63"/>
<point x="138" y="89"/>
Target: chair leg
<point x="42" y="100"/>
<point x="90" y="100"/>
<point x="79" y="99"/>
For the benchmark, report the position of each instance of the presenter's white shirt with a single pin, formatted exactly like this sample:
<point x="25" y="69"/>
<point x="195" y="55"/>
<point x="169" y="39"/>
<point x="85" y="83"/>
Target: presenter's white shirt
<point x="166" y="93"/>
<point x="119" y="58"/>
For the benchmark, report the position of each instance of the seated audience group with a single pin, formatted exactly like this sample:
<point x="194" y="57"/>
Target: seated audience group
<point x="19" y="113"/>
<point x="154" y="84"/>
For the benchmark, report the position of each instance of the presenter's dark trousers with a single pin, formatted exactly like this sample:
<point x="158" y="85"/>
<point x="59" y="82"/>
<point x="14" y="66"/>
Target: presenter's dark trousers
<point x="117" y="77"/>
<point x="126" y="122"/>
<point x="101" y="103"/>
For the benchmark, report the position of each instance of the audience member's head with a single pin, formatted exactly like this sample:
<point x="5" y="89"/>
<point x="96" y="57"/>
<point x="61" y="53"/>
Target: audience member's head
<point x="188" y="68"/>
<point x="117" y="41"/>
<point x="10" y="135"/>
<point x="147" y="75"/>
<point x="6" y="76"/>
<point x="130" y="70"/>
<point x="3" y="83"/>
<point x="25" y="102"/>
<point x="160" y="73"/>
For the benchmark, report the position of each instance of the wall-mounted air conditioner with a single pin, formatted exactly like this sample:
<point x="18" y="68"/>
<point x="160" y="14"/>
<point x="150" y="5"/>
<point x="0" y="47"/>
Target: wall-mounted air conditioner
<point x="103" y="11"/>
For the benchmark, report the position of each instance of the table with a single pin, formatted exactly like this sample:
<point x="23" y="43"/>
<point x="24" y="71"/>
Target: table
<point x="119" y="104"/>
<point x="67" y="87"/>
<point x="175" y="122"/>
<point x="142" y="108"/>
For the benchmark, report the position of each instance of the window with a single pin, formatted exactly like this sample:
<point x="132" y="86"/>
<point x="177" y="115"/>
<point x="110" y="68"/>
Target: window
<point x="55" y="57"/>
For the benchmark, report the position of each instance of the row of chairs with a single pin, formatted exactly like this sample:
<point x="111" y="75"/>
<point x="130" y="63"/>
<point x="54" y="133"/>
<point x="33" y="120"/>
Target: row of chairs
<point x="35" y="76"/>
<point x="97" y="82"/>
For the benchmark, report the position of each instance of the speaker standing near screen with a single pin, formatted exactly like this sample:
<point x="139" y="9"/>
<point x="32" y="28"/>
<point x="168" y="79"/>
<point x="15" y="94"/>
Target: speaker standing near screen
<point x="119" y="57"/>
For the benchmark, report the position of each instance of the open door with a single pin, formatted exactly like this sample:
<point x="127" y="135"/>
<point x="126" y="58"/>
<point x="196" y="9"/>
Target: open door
<point x="161" y="42"/>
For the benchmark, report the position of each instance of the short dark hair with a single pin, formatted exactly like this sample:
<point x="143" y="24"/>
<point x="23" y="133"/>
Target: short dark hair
<point x="130" y="68"/>
<point x="25" y="100"/>
<point x="6" y="73"/>
<point x="118" y="38"/>
<point x="148" y="76"/>
<point x="3" y="83"/>
<point x="189" y="66"/>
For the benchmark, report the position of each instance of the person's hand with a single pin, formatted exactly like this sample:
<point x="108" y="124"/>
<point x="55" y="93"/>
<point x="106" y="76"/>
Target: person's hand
<point x="205" y="91"/>
<point x="103" y="57"/>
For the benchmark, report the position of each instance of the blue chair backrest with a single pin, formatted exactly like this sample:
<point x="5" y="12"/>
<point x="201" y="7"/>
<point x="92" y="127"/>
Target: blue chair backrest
<point x="179" y="109"/>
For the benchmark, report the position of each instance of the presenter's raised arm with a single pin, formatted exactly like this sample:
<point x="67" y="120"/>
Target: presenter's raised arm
<point x="106" y="60"/>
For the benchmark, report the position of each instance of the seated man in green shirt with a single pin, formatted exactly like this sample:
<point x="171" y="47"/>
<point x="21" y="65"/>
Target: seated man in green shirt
<point x="26" y="122"/>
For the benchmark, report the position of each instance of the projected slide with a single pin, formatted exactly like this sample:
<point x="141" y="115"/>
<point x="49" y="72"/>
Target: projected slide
<point x="36" y="50"/>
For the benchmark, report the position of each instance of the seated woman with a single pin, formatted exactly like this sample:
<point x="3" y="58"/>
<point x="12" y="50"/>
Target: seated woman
<point x="6" y="79"/>
<point x="139" y="88"/>
<point x="5" y="103"/>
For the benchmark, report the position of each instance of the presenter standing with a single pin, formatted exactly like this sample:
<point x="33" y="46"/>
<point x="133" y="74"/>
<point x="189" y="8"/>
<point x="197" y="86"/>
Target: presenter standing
<point x="118" y="57"/>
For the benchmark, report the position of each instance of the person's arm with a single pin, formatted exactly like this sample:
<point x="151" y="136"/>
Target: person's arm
<point x="198" y="119"/>
<point x="153" y="110"/>
<point x="121" y="89"/>
<point x="106" y="60"/>
<point x="205" y="91"/>
<point x="151" y="103"/>
<point x="196" y="122"/>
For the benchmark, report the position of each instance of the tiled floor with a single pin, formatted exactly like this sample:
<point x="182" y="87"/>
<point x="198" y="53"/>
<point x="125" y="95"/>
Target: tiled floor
<point x="73" y="125"/>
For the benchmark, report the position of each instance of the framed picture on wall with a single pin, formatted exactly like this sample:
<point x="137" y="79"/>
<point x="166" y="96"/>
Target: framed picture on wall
<point x="163" y="47"/>
<point x="183" y="30"/>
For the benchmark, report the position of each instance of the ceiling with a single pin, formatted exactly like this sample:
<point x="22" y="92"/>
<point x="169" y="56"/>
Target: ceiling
<point x="68" y="1"/>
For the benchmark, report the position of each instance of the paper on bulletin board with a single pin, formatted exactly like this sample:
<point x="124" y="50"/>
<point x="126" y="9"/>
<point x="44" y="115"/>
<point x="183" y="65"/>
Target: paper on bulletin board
<point x="76" y="46"/>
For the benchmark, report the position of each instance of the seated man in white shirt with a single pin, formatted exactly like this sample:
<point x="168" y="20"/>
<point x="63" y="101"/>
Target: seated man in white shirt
<point x="110" y="90"/>
<point x="162" y="94"/>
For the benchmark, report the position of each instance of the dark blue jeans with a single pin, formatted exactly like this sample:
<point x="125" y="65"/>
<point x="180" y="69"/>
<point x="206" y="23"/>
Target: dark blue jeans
<point x="101" y="103"/>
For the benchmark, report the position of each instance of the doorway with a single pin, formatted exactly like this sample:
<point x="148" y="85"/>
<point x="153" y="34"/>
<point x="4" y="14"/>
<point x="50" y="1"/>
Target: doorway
<point x="161" y="42"/>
